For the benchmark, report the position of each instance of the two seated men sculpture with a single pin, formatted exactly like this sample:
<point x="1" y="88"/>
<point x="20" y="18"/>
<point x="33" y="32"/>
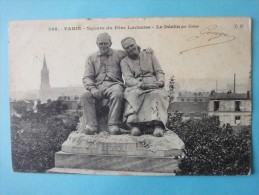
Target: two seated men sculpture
<point x="141" y="105"/>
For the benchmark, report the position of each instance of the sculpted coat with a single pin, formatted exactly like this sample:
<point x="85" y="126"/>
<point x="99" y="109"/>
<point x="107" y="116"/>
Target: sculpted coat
<point x="144" y="106"/>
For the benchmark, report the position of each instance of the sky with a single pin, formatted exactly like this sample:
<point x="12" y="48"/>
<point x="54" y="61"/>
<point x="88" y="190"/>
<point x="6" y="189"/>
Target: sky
<point x="188" y="48"/>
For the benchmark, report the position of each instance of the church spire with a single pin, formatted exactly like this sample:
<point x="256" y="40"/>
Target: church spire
<point x="44" y="75"/>
<point x="44" y="67"/>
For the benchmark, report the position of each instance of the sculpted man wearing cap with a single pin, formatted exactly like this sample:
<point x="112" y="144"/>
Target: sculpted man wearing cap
<point x="103" y="80"/>
<point x="146" y="99"/>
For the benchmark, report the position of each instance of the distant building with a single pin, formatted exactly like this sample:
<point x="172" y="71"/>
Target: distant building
<point x="190" y="110"/>
<point x="20" y="105"/>
<point x="71" y="101"/>
<point x="193" y="105"/>
<point x="47" y="92"/>
<point x="232" y="108"/>
<point x="193" y="97"/>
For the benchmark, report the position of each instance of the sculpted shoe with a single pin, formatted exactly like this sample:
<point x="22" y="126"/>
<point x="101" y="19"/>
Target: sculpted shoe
<point x="158" y="131"/>
<point x="90" y="130"/>
<point x="135" y="131"/>
<point x="114" y="130"/>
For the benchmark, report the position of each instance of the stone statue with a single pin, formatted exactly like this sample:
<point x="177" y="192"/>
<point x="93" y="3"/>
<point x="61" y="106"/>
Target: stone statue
<point x="146" y="99"/>
<point x="103" y="80"/>
<point x="146" y="108"/>
<point x="104" y="87"/>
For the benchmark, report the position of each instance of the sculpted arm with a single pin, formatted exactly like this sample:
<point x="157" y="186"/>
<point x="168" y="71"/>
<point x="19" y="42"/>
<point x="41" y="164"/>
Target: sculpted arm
<point x="89" y="75"/>
<point x="89" y="78"/>
<point x="129" y="78"/>
<point x="160" y="75"/>
<point x="147" y="50"/>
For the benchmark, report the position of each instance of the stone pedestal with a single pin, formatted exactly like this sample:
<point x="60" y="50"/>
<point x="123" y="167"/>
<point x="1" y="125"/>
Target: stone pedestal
<point x="106" y="152"/>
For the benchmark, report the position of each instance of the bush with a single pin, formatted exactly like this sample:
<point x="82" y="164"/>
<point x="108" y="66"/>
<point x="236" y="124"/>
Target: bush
<point x="36" y="138"/>
<point x="174" y="121"/>
<point x="211" y="149"/>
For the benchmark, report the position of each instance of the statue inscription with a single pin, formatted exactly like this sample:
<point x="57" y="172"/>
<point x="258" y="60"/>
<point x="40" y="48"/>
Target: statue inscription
<point x="118" y="147"/>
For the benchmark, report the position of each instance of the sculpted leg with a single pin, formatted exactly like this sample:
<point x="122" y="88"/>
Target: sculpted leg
<point x="89" y="113"/>
<point x="158" y="131"/>
<point x="135" y="131"/>
<point x="115" y="95"/>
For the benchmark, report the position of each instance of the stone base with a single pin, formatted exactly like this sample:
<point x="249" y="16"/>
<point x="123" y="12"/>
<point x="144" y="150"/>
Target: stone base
<point x="125" y="145"/>
<point x="100" y="172"/>
<point x="105" y="152"/>
<point x="116" y="163"/>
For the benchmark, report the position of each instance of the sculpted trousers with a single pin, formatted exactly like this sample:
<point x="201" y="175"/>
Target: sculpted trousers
<point x="109" y="90"/>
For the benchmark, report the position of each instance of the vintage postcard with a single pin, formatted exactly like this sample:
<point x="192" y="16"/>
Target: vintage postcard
<point x="133" y="96"/>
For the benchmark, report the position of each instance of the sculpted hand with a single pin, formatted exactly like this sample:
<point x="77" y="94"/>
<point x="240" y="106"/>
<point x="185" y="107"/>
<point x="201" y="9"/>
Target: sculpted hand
<point x="146" y="86"/>
<point x="96" y="93"/>
<point x="161" y="84"/>
<point x="149" y="51"/>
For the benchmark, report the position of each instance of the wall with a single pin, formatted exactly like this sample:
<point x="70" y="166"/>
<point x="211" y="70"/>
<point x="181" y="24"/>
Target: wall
<point x="229" y="105"/>
<point x="227" y="113"/>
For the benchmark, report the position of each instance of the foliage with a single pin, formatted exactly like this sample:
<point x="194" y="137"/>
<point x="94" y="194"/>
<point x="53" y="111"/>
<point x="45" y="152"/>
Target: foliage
<point x="211" y="149"/>
<point x="37" y="136"/>
<point x="171" y="89"/>
<point x="23" y="108"/>
<point x="174" y="120"/>
<point x="54" y="107"/>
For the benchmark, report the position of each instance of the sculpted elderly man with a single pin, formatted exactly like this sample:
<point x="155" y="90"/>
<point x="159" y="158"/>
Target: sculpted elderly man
<point x="146" y="99"/>
<point x="103" y="80"/>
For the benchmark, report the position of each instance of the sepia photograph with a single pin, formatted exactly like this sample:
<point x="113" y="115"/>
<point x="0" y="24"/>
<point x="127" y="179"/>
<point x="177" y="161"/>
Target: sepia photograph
<point x="131" y="96"/>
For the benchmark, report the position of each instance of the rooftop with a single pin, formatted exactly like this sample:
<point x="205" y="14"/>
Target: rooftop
<point x="194" y="94"/>
<point x="229" y="96"/>
<point x="187" y="107"/>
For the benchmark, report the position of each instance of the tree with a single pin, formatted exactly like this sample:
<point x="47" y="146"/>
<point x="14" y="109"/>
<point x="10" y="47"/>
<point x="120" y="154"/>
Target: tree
<point x="171" y="89"/>
<point x="24" y="108"/>
<point x="211" y="149"/>
<point x="36" y="138"/>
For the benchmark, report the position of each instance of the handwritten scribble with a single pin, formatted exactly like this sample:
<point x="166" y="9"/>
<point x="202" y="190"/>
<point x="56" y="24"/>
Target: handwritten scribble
<point x="212" y="34"/>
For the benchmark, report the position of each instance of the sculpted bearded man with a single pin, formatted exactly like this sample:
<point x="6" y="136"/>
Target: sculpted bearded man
<point x="146" y="99"/>
<point x="103" y="80"/>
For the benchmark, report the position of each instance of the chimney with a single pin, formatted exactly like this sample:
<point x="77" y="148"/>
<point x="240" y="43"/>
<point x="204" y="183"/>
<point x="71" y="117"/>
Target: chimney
<point x="235" y="83"/>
